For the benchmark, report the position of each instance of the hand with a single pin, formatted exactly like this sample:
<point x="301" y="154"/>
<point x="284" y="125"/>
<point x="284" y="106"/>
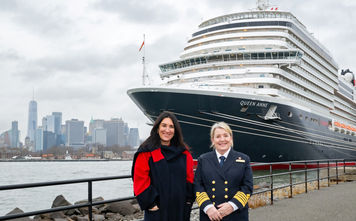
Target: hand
<point x="155" y="208"/>
<point x="213" y="214"/>
<point x="225" y="209"/>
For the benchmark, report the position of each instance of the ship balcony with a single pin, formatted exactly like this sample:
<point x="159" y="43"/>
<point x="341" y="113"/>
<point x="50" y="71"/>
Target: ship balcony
<point x="235" y="46"/>
<point x="238" y="35"/>
<point x="267" y="57"/>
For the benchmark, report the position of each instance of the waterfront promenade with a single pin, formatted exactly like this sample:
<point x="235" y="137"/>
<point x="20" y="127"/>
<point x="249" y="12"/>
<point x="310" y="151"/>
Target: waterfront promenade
<point x="334" y="203"/>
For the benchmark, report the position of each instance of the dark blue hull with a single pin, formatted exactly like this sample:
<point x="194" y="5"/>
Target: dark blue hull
<point x="296" y="135"/>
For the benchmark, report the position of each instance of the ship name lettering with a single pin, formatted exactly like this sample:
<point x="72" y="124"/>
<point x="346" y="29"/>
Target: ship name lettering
<point x="261" y="104"/>
<point x="253" y="103"/>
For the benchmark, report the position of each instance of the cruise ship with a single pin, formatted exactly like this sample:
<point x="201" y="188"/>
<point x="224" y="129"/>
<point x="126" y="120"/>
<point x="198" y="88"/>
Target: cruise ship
<point x="263" y="73"/>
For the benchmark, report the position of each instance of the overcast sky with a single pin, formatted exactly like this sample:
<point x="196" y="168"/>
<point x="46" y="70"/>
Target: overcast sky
<point x="81" y="56"/>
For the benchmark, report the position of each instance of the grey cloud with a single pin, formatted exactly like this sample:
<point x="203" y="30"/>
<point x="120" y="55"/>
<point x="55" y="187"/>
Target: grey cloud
<point x="167" y="48"/>
<point x="232" y="4"/>
<point x="8" y="5"/>
<point x="51" y="21"/>
<point x="91" y="60"/>
<point x="78" y="62"/>
<point x="9" y="54"/>
<point x="76" y="92"/>
<point x="140" y="11"/>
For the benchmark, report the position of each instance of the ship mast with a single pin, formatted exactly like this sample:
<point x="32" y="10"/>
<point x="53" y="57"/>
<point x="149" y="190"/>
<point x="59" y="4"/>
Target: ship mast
<point x="144" y="75"/>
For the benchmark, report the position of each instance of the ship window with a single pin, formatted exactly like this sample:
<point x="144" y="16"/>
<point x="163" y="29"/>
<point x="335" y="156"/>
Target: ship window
<point x="280" y="54"/>
<point x="261" y="55"/>
<point x="290" y="114"/>
<point x="268" y="55"/>
<point x="254" y="56"/>
<point x="306" y="117"/>
<point x="247" y="56"/>
<point x="260" y="86"/>
<point x="274" y="55"/>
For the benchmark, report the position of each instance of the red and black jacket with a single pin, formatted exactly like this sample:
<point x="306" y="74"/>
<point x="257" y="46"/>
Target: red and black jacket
<point x="164" y="177"/>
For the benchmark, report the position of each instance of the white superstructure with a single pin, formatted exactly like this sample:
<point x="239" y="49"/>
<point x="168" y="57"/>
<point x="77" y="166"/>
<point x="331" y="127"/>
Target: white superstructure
<point x="266" y="53"/>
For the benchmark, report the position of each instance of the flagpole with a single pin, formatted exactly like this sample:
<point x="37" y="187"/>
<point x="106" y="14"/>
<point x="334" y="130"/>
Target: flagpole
<point x="143" y="61"/>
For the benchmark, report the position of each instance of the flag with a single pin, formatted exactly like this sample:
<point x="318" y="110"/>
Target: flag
<point x="143" y="43"/>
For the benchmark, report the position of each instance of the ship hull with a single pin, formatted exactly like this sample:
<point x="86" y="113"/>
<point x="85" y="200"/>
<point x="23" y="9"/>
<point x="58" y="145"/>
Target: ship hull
<point x="296" y="134"/>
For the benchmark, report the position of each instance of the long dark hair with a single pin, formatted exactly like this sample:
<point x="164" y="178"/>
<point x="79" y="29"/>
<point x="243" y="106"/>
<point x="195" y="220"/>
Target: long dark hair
<point x="154" y="139"/>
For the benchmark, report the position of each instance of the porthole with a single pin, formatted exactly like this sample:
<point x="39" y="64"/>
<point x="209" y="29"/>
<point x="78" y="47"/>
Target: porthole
<point x="290" y="114"/>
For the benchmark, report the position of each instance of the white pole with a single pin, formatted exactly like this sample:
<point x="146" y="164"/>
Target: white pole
<point x="144" y="62"/>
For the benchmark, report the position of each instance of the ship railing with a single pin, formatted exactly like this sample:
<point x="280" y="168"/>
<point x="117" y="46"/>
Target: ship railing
<point x="292" y="167"/>
<point x="309" y="171"/>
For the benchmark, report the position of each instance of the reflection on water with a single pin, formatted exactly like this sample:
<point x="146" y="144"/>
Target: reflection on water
<point x="42" y="197"/>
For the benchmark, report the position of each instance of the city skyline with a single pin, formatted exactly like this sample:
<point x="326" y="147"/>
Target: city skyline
<point x="54" y="125"/>
<point x="81" y="57"/>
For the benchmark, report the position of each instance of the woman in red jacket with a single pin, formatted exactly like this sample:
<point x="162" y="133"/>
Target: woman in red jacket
<point x="162" y="172"/>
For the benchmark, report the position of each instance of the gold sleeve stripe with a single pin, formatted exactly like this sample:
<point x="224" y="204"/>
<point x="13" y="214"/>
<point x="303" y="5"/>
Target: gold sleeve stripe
<point x="201" y="197"/>
<point x="242" y="197"/>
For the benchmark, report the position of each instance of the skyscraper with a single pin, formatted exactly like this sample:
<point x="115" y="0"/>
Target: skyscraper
<point x="15" y="134"/>
<point x="32" y="120"/>
<point x="57" y="122"/>
<point x="75" y="133"/>
<point x="115" y="129"/>
<point x="134" y="139"/>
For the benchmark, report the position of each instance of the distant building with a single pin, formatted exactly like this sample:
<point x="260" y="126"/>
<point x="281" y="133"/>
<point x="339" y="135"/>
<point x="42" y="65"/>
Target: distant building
<point x="115" y="132"/>
<point x="5" y="139"/>
<point x="39" y="139"/>
<point x="134" y="139"/>
<point x="95" y="124"/>
<point x="57" y="122"/>
<point x="28" y="143"/>
<point x="32" y="120"/>
<point x="57" y="127"/>
<point x="108" y="155"/>
<point x="99" y="136"/>
<point x="128" y="155"/>
<point x="49" y="140"/>
<point x="75" y="133"/>
<point x="63" y="134"/>
<point x="15" y="134"/>
<point x="126" y="134"/>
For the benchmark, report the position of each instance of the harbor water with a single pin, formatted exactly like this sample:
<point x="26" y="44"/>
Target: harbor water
<point x="42" y="197"/>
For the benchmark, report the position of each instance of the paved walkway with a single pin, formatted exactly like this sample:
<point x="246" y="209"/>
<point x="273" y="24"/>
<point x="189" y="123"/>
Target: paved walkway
<point x="334" y="203"/>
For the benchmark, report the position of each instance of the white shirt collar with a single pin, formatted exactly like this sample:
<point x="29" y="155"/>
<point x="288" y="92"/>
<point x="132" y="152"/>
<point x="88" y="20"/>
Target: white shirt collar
<point x="225" y="154"/>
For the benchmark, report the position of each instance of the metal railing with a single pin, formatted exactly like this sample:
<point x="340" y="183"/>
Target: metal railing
<point x="317" y="165"/>
<point x="89" y="204"/>
<point x="297" y="167"/>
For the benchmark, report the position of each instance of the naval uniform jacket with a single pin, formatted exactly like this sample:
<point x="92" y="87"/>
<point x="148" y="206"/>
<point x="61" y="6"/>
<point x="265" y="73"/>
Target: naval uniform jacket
<point x="233" y="182"/>
<point x="163" y="176"/>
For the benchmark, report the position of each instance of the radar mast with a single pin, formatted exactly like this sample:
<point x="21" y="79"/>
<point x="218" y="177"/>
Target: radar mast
<point x="262" y="4"/>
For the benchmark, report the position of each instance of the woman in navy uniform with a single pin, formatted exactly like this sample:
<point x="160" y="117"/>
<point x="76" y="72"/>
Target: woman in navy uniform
<point x="223" y="180"/>
<point x="162" y="173"/>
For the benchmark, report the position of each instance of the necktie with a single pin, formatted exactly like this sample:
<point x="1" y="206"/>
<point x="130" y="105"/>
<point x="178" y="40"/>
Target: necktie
<point x="222" y="159"/>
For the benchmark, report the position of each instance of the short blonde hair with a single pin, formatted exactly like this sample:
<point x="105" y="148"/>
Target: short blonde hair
<point x="224" y="126"/>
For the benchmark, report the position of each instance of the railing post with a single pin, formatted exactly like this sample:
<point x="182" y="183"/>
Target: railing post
<point x="306" y="177"/>
<point x="90" y="200"/>
<point x="318" y="174"/>
<point x="271" y="178"/>
<point x="328" y="173"/>
<point x="344" y="167"/>
<point x="337" y="174"/>
<point x="290" y="180"/>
